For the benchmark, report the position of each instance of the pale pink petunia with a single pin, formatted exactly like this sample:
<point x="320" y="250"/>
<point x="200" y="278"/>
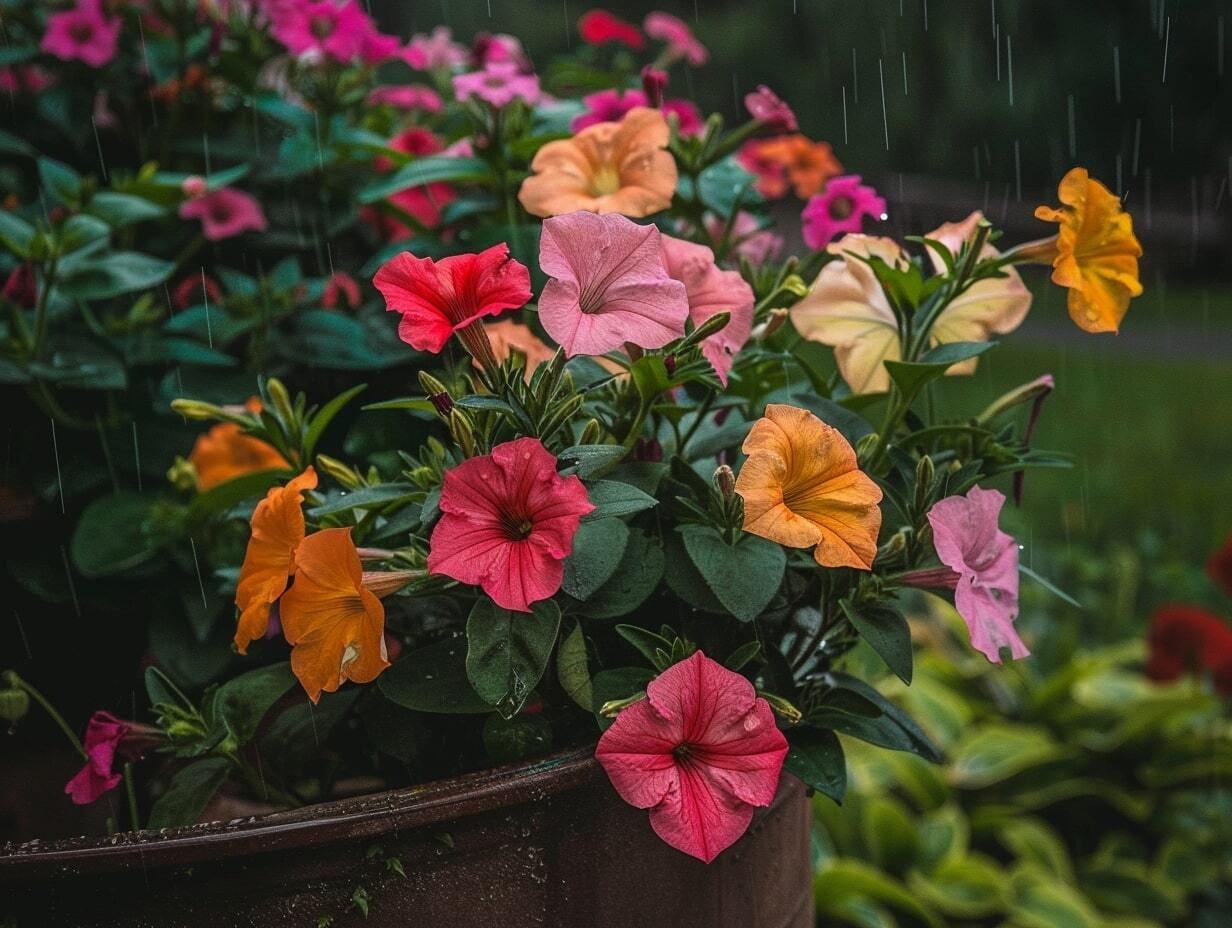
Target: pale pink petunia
<point x="681" y="43"/>
<point x="701" y="752"/>
<point x="711" y="290"/>
<point x="488" y="48"/>
<point x="508" y="522"/>
<point x="83" y="33"/>
<point x="499" y="84"/>
<point x="435" y="52"/>
<point x="968" y="542"/>
<point x="407" y="97"/>
<point x="768" y="108"/>
<point x="609" y="285"/>
<point x="225" y="213"/>
<point x="748" y="238"/>
<point x="104" y="732"/>
<point x="840" y="208"/>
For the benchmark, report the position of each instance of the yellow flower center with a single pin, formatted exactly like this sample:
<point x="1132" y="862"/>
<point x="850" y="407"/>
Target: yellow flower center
<point x="605" y="181"/>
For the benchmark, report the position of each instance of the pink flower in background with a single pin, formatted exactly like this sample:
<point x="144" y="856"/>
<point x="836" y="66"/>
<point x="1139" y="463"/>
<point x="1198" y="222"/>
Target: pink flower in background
<point x="840" y="208"/>
<point x="749" y="239"/>
<point x="688" y="117"/>
<point x="654" y="82"/>
<point x="598" y="27"/>
<point x="435" y="52"/>
<point x="193" y="186"/>
<point x="21" y="286"/>
<point x="498" y="84"/>
<point x="681" y="43"/>
<point x="376" y="47"/>
<point x="407" y="97"/>
<point x="422" y="203"/>
<point x="225" y="213"/>
<point x="488" y="48"/>
<point x="711" y="290"/>
<point x="323" y="27"/>
<point x="84" y="33"/>
<point x="30" y="77"/>
<point x="507" y="524"/>
<point x="104" y="732"/>
<point x="968" y="541"/>
<point x="341" y="290"/>
<point x="701" y="752"/>
<point x="608" y="286"/>
<point x="765" y="106"/>
<point x="612" y="105"/>
<point x="194" y="289"/>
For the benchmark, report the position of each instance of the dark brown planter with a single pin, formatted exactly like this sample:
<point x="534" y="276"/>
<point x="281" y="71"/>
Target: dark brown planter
<point x="546" y="843"/>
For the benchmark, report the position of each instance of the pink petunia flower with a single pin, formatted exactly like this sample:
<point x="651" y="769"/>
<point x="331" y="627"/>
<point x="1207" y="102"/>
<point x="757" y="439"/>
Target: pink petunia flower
<point x="29" y="78"/>
<point x="438" y="298"/>
<point x="498" y="84"/>
<point x="598" y="27"/>
<point x="701" y="752"/>
<point x="681" y="43"/>
<point x="608" y="286"/>
<point x="766" y="107"/>
<point x="21" y="286"/>
<point x="104" y="732"/>
<point x="839" y="209"/>
<point x="341" y="290"/>
<point x="407" y="97"/>
<point x="423" y="203"/>
<point x="985" y="559"/>
<point x="654" y="82"/>
<point x="612" y="105"/>
<point x="712" y="290"/>
<point x="225" y="213"/>
<point x="84" y="33"/>
<point x="435" y="52"/>
<point x="749" y="239"/>
<point x="495" y="48"/>
<point x="507" y="524"/>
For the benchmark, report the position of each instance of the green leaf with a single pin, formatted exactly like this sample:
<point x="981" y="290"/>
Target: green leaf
<point x="597" y="550"/>
<point x="842" y="879"/>
<point x="112" y="535"/>
<point x="188" y="793"/>
<point x="893" y="729"/>
<point x="222" y="497"/>
<point x="433" y="679"/>
<point x="886" y="631"/>
<point x="1034" y="842"/>
<point x="573" y="668"/>
<point x="16" y="234"/>
<point x="972" y="887"/>
<point x="116" y="273"/>
<point x="889" y="833"/>
<point x="648" y="643"/>
<point x="617" y="683"/>
<point x="244" y="701"/>
<point x="427" y="171"/>
<point x="365" y="498"/>
<point x="519" y="738"/>
<point x="912" y="376"/>
<point x="744" y="576"/>
<point x="325" y="415"/>
<point x="650" y="377"/>
<point x="611" y="498"/>
<point x="162" y="692"/>
<point x="994" y="753"/>
<point x="816" y="758"/>
<point x="508" y="651"/>
<point x="80" y="230"/>
<point x="724" y="185"/>
<point x="1041" y="902"/>
<point x="122" y="209"/>
<point x="588" y="460"/>
<point x="635" y="578"/>
<point x="61" y="181"/>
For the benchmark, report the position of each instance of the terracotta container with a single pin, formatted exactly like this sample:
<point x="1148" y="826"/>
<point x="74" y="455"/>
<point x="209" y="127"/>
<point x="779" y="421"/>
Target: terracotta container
<point x="545" y="843"/>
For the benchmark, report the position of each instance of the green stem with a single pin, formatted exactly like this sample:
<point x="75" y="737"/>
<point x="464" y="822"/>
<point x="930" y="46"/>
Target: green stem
<point x="55" y="717"/>
<point x="40" y="311"/>
<point x="130" y="791"/>
<point x="701" y="415"/>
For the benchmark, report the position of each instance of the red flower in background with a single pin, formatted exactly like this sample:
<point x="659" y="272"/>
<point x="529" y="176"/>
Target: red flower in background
<point x="341" y="290"/>
<point x="1188" y="639"/>
<point x="190" y="291"/>
<point x="1219" y="566"/>
<point x="21" y="286"/>
<point x="422" y="203"/>
<point x="598" y="27"/>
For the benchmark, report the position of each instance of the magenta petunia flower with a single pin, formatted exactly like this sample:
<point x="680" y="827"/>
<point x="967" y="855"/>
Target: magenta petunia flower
<point x="840" y="208"/>
<point x="225" y="213"/>
<point x="438" y="298"/>
<point x="701" y="752"/>
<point x="84" y="33"/>
<point x="104" y="732"/>
<point x="407" y="97"/>
<point x="968" y="541"/>
<point x="711" y="290"/>
<point x="492" y="48"/>
<point x="435" y="52"/>
<point x="681" y="43"/>
<point x="607" y="106"/>
<point x="499" y="84"/>
<point x="609" y="285"/>
<point x="507" y="525"/>
<point x="766" y="107"/>
<point x="323" y="28"/>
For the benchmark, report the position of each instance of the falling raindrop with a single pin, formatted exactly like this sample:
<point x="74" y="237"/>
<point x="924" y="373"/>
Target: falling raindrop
<point x="885" y="120"/>
<point x="55" y="447"/>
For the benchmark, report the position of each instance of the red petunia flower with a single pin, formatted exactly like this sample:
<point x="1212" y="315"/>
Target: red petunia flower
<point x="438" y="298"/>
<point x="194" y="288"/>
<point x="1188" y="639"/>
<point x="105" y="736"/>
<point x="341" y="290"/>
<point x="508" y="523"/>
<point x="598" y="27"/>
<point x="1219" y="566"/>
<point x="701" y="751"/>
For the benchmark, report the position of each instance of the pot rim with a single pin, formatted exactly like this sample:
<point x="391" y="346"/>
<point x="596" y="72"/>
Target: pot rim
<point x="351" y="818"/>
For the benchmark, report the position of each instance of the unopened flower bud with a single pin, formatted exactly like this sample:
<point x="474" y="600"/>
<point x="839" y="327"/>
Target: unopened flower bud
<point x="865" y="446"/>
<point x="195" y="409"/>
<point x="654" y="82"/>
<point x="795" y="285"/>
<point x="194" y="186"/>
<point x="462" y="431"/>
<point x="774" y="321"/>
<point x="611" y="708"/>
<point x="725" y="481"/>
<point x="591" y="433"/>
<point x="669" y="364"/>
<point x="14" y="704"/>
<point x="339" y="471"/>
<point x="282" y="399"/>
<point x="782" y="708"/>
<point x="382" y="583"/>
<point x="924" y="473"/>
<point x="182" y="474"/>
<point x="438" y="394"/>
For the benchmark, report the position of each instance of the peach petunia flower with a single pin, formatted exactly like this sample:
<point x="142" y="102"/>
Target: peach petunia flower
<point x="792" y="160"/>
<point x="611" y="167"/>
<point x="509" y="337"/>
<point x="277" y="530"/>
<point x="225" y="452"/>
<point x="334" y="624"/>
<point x="847" y="309"/>
<point x="803" y="488"/>
<point x="1095" y="253"/>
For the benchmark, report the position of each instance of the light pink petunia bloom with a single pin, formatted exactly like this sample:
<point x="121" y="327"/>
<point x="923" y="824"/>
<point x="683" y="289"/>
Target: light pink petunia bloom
<point x="711" y="290"/>
<point x="407" y="97"/>
<point x="768" y="108"/>
<point x="499" y="84"/>
<point x="681" y="43"/>
<point x="840" y="208"/>
<point x="968" y="541"/>
<point x="104" y="732"/>
<point x="488" y="48"/>
<point x="84" y="33"/>
<point x="609" y="285"/>
<point x="435" y="52"/>
<point x="701" y="752"/>
<point x="508" y="523"/>
<point x="225" y="213"/>
<point x="750" y="239"/>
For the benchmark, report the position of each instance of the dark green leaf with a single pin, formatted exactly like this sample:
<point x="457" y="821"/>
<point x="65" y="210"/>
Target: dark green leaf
<point x="59" y="180"/>
<point x="112" y="535"/>
<point x="911" y="376"/>
<point x="611" y="498"/>
<point x="222" y="497"/>
<point x="325" y="415"/>
<point x="433" y="679"/>
<point x="597" y="549"/>
<point x="427" y="171"/>
<point x="15" y="234"/>
<point x="744" y="576"/>
<point x="122" y="209"/>
<point x="573" y="668"/>
<point x="114" y="274"/>
<point x="588" y="460"/>
<point x="635" y="578"/>
<point x="364" y="498"/>
<point x="243" y="702"/>
<point x="508" y="651"/>
<point x="815" y="757"/>
<point x="188" y="793"/>
<point x="886" y="631"/>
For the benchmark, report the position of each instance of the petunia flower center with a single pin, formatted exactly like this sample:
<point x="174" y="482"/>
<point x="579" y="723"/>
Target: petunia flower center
<point x="220" y="212"/>
<point x="841" y="207"/>
<point x="682" y="752"/>
<point x="516" y="527"/>
<point x="321" y="26"/>
<point x="82" y="32"/>
<point x="605" y="181"/>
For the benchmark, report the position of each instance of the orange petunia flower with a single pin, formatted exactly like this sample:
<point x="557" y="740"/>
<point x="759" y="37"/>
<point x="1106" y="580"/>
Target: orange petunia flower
<point x="1095" y="253"/>
<point x="610" y="167"/>
<point x="225" y="452"/>
<point x="807" y="164"/>
<point x="336" y="627"/>
<point x="277" y="530"/>
<point x="802" y="487"/>
<point x="508" y="337"/>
